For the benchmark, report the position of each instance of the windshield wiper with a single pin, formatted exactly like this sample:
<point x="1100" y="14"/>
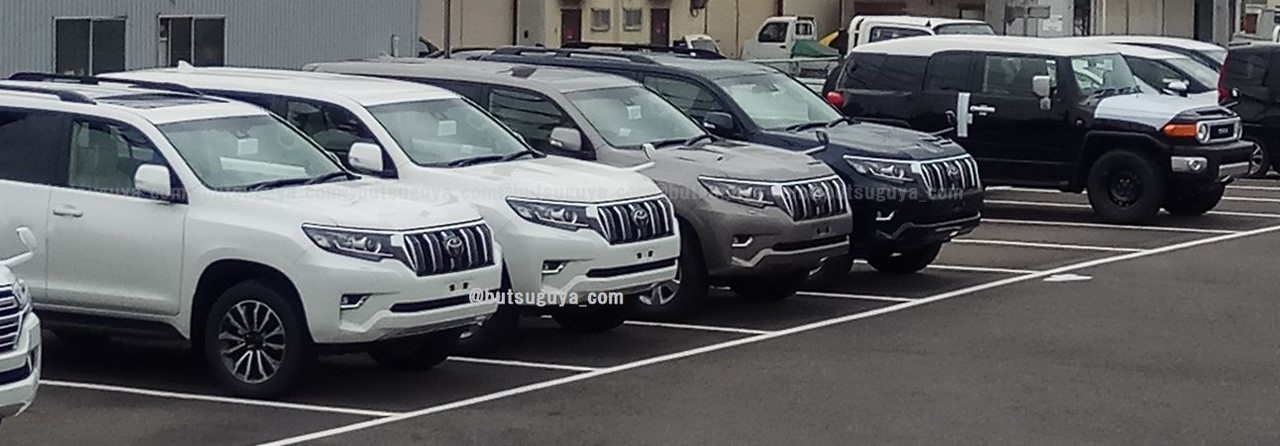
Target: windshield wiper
<point x="329" y="177"/>
<point x="275" y="184"/>
<point x="668" y="142"/>
<point x="842" y="120"/>
<point x="807" y="126"/>
<point x="519" y="154"/>
<point x="476" y="160"/>
<point x="698" y="138"/>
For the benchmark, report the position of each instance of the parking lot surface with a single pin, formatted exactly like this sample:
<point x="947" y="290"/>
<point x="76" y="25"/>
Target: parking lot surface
<point x="1041" y="327"/>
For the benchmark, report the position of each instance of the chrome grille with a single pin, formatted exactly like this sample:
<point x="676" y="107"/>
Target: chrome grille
<point x="636" y="221"/>
<point x="950" y="175"/>
<point x="814" y="199"/>
<point x="441" y="251"/>
<point x="10" y="319"/>
<point x="1226" y="130"/>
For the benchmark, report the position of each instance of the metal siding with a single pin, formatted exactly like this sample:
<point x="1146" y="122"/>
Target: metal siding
<point x="264" y="33"/>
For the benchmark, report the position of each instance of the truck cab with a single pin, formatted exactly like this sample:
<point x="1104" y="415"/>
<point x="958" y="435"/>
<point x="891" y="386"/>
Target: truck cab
<point x="778" y="37"/>
<point x="865" y="29"/>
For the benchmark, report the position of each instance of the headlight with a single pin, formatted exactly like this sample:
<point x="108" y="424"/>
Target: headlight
<point x="22" y="295"/>
<point x="1202" y="133"/>
<point x="570" y="217"/>
<point x="895" y="171"/>
<point x="742" y="192"/>
<point x="353" y="243"/>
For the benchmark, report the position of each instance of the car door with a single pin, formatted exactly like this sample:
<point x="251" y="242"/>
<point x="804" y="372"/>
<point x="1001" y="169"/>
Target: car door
<point x="28" y="158"/>
<point x="948" y="75"/>
<point x="534" y="116"/>
<point x="1014" y="138"/>
<point x="110" y="248"/>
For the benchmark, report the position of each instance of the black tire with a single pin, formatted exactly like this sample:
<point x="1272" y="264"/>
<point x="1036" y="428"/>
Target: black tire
<point x="417" y="353"/>
<point x="904" y="261"/>
<point x="833" y="269"/>
<point x="682" y="297"/>
<point x="770" y="289"/>
<point x="597" y="319"/>
<point x="1195" y="203"/>
<point x="494" y="331"/>
<point x="269" y="329"/>
<point x="1126" y="187"/>
<point x="1260" y="161"/>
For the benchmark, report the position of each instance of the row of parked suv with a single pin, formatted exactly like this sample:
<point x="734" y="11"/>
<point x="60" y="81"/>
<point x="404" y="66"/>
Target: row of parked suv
<point x="268" y="216"/>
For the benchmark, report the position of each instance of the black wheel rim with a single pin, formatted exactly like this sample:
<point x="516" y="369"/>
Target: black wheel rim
<point x="1256" y="160"/>
<point x="664" y="292"/>
<point x="1124" y="188"/>
<point x="251" y="338"/>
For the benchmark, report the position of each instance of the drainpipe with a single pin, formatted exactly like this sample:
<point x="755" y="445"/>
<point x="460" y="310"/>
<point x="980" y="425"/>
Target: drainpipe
<point x="448" y="28"/>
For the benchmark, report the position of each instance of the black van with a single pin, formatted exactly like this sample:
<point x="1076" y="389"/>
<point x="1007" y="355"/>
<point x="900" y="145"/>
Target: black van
<point x="1051" y="114"/>
<point x="911" y="192"/>
<point x="1250" y="86"/>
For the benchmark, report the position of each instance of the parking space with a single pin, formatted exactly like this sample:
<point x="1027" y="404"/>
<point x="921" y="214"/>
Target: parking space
<point x="1025" y="235"/>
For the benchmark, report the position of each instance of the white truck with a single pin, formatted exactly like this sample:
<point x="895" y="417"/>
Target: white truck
<point x="790" y="44"/>
<point x="867" y="29"/>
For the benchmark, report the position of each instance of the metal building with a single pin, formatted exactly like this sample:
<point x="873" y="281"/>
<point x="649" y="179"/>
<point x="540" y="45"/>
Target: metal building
<point x="96" y="36"/>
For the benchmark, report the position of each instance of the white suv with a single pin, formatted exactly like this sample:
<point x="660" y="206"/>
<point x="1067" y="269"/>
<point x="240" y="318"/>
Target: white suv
<point x="168" y="212"/>
<point x="567" y="226"/>
<point x="19" y="335"/>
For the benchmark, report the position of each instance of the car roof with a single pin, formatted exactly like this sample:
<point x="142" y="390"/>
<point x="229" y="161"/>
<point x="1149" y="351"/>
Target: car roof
<point x="1153" y="40"/>
<point x="916" y="20"/>
<point x="324" y="86"/>
<point x="563" y="80"/>
<point x="1146" y="52"/>
<point x="711" y="68"/>
<point x="156" y="106"/>
<point x="928" y="45"/>
<point x="1256" y="47"/>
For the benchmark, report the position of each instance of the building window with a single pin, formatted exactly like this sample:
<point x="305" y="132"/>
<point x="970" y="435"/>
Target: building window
<point x="86" y="47"/>
<point x="632" y="19"/>
<point x="200" y="41"/>
<point x="601" y="19"/>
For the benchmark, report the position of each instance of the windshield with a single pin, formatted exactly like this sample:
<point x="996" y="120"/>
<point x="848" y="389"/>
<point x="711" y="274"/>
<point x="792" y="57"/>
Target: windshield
<point x="1218" y="55"/>
<point x="440" y="132"/>
<point x="1198" y="72"/>
<point x="776" y="101"/>
<point x="981" y="29"/>
<point x="632" y="116"/>
<point x="1105" y="74"/>
<point x="247" y="151"/>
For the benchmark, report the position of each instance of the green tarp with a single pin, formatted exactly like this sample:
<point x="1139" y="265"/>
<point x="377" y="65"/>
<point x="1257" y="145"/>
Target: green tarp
<point x="811" y="48"/>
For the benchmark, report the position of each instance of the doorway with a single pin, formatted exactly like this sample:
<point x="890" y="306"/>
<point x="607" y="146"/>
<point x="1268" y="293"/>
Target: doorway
<point x="570" y="25"/>
<point x="660" y="27"/>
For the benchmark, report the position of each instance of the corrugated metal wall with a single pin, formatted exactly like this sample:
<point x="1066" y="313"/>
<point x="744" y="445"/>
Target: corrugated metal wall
<point x="260" y="33"/>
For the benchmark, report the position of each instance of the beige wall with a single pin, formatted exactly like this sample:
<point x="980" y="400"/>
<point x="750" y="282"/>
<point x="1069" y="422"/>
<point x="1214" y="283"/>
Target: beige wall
<point x="1166" y="17"/>
<point x="475" y="22"/>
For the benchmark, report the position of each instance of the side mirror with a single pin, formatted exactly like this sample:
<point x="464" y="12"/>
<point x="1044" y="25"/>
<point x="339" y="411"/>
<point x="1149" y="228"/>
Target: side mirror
<point x="153" y="181"/>
<point x="1178" y="87"/>
<point x="649" y="153"/>
<point x="566" y="139"/>
<point x="1041" y="86"/>
<point x="365" y="156"/>
<point x="28" y="239"/>
<point x="719" y="123"/>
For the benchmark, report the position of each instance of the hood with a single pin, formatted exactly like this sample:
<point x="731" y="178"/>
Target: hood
<point x="729" y="159"/>
<point x="878" y="141"/>
<point x="547" y="178"/>
<point x="368" y="204"/>
<point x="1150" y="110"/>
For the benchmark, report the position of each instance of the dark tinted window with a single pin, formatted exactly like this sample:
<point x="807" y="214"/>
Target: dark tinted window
<point x="333" y="127"/>
<point x="1154" y="73"/>
<point x="773" y="33"/>
<point x="27" y="141"/>
<point x="89" y="46"/>
<point x="255" y="99"/>
<point x="949" y="72"/>
<point x="881" y="33"/>
<point x="881" y="72"/>
<point x="531" y="115"/>
<point x="691" y="98"/>
<point x="1012" y="75"/>
<point x="1246" y="69"/>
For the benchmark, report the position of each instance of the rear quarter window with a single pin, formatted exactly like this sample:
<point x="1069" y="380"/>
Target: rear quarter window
<point x="1246" y="69"/>
<point x="884" y="72"/>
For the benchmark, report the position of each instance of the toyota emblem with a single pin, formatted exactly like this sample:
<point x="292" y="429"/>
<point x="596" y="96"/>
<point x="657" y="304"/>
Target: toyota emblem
<point x="453" y="246"/>
<point x="818" y="194"/>
<point x="640" y="215"/>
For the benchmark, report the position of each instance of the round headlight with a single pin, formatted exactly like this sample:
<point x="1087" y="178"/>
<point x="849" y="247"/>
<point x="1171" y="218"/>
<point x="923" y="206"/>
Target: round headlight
<point x="1202" y="132"/>
<point x="22" y="294"/>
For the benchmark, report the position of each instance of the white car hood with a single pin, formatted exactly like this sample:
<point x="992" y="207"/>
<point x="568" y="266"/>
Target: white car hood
<point x="370" y="204"/>
<point x="1149" y="109"/>
<point x="550" y="178"/>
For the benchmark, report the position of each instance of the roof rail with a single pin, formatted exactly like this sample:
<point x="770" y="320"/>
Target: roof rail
<point x="695" y="53"/>
<point x="570" y="52"/>
<point x="64" y="95"/>
<point x="93" y="80"/>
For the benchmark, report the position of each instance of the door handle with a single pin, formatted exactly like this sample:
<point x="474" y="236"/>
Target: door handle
<point x="67" y="211"/>
<point x="982" y="109"/>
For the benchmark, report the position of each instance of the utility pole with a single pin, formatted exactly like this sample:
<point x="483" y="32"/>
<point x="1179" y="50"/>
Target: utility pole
<point x="448" y="28"/>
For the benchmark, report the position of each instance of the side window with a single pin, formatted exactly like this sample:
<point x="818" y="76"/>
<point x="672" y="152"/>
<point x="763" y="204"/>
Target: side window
<point x="1012" y="75"/>
<point x="255" y="99"/>
<point x="888" y="73"/>
<point x="881" y="33"/>
<point x="949" y="72"/>
<point x="333" y="127"/>
<point x="27" y="146"/>
<point x="1246" y="70"/>
<point x="531" y="115"/>
<point x="1153" y="73"/>
<point x="691" y="98"/>
<point x="105" y="155"/>
<point x="863" y="71"/>
<point x="775" y="32"/>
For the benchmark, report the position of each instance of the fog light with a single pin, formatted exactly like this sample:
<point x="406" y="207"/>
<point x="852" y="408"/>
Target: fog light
<point x="742" y="241"/>
<point x="550" y="267"/>
<point x="352" y="301"/>
<point x="1193" y="164"/>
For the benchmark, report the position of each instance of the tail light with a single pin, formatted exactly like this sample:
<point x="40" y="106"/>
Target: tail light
<point x="835" y="98"/>
<point x="1224" y="94"/>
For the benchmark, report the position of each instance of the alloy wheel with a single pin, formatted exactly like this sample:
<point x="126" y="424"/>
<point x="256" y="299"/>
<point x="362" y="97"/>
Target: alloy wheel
<point x="252" y="340"/>
<point x="664" y="292"/>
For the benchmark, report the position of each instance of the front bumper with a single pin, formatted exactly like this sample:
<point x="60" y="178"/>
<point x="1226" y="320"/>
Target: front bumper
<point x="583" y="261"/>
<point x="908" y="217"/>
<point x="1223" y="162"/>
<point x="20" y="369"/>
<point x="739" y="240"/>
<point x="399" y="303"/>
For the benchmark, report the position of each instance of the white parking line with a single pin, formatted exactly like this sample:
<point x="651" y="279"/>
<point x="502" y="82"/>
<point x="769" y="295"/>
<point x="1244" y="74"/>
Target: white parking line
<point x="1069" y="224"/>
<point x="216" y="399"/>
<point x="697" y="327"/>
<point x="1253" y="199"/>
<point x="972" y="269"/>
<point x="761" y="338"/>
<point x="852" y="296"/>
<point x="513" y="363"/>
<point x="1085" y="206"/>
<point x="1270" y="188"/>
<point x="964" y="241"/>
